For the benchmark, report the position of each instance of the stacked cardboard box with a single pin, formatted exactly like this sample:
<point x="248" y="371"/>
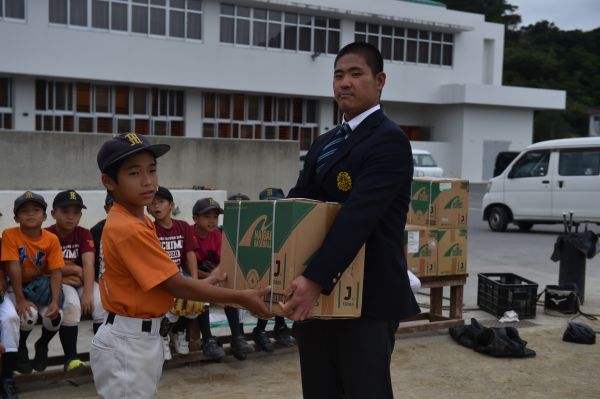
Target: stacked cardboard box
<point x="271" y="243"/>
<point x="438" y="212"/>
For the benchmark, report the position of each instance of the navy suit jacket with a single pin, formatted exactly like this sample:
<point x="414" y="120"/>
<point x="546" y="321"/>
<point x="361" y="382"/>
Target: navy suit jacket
<point x="371" y="174"/>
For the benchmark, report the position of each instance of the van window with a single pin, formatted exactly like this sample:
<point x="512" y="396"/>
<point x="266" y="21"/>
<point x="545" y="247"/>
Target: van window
<point x="424" y="160"/>
<point x="531" y="164"/>
<point x="579" y="162"/>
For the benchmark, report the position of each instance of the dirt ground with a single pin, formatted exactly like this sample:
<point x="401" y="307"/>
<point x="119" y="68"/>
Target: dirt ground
<point x="424" y="366"/>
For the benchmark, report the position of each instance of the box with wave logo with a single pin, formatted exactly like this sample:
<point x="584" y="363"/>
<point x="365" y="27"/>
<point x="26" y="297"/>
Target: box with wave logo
<point x="420" y="249"/>
<point x="272" y="242"/>
<point x="452" y="251"/>
<point x="439" y="203"/>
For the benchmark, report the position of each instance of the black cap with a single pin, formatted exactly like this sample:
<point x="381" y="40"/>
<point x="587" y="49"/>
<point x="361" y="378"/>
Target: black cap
<point x="204" y="205"/>
<point x="238" y="197"/>
<point x="109" y="199"/>
<point x="271" y="193"/>
<point x="164" y="192"/>
<point x="123" y="146"/>
<point x="29" y="196"/>
<point x="67" y="198"/>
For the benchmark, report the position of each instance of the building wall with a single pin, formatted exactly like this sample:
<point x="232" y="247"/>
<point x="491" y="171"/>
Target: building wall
<point x="55" y="161"/>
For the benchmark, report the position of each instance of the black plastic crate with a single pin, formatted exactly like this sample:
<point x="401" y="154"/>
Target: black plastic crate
<point x="499" y="292"/>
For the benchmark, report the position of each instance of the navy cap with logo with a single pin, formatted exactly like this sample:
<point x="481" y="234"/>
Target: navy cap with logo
<point x="238" y="197"/>
<point x="164" y="192"/>
<point x="271" y="193"/>
<point x="204" y="205"/>
<point x="29" y="196"/>
<point x="67" y="198"/>
<point x="124" y="145"/>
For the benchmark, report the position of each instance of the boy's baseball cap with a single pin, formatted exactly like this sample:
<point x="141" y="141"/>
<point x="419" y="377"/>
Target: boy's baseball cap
<point x="29" y="196"/>
<point x="164" y="192"/>
<point x="67" y="198"/>
<point x="125" y="145"/>
<point x="271" y="193"/>
<point x="238" y="197"/>
<point x="204" y="205"/>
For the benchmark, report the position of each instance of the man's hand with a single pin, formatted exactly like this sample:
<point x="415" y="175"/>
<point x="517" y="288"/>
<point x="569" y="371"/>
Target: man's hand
<point x="73" y="281"/>
<point x="23" y="308"/>
<point x="301" y="297"/>
<point x="214" y="279"/>
<point x="253" y="300"/>
<point x="52" y="311"/>
<point x="86" y="303"/>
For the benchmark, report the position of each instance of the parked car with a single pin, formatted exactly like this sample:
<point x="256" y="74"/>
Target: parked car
<point x="425" y="165"/>
<point x="545" y="180"/>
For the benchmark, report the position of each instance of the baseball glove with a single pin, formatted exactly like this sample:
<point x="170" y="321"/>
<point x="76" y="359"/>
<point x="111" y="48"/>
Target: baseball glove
<point x="207" y="266"/>
<point x="39" y="291"/>
<point x="186" y="307"/>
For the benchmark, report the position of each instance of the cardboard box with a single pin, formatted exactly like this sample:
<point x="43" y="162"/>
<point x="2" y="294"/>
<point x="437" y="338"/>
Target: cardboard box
<point x="421" y="250"/>
<point x="439" y="203"/>
<point x="271" y="242"/>
<point x="452" y="251"/>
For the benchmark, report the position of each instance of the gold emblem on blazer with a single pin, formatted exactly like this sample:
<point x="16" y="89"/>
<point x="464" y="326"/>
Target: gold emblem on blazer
<point x="344" y="181"/>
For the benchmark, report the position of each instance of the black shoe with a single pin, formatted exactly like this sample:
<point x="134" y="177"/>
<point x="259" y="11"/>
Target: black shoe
<point x="23" y="364"/>
<point x="240" y="348"/>
<point x="212" y="350"/>
<point x="8" y="390"/>
<point x="261" y="339"/>
<point x="40" y="361"/>
<point x="282" y="337"/>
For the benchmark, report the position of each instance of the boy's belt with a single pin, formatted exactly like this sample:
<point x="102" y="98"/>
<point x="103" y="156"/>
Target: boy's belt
<point x="146" y="325"/>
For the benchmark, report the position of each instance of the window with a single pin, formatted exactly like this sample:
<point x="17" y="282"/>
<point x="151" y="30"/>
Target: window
<point x="174" y="18"/>
<point x="239" y="115"/>
<point x="87" y="107"/>
<point x="12" y="9"/>
<point x="531" y="164"/>
<point x="407" y="45"/>
<point x="259" y="27"/>
<point x="579" y="162"/>
<point x="6" y="111"/>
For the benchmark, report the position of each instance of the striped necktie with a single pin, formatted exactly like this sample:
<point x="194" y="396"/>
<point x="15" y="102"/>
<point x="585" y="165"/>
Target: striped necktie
<point x="332" y="146"/>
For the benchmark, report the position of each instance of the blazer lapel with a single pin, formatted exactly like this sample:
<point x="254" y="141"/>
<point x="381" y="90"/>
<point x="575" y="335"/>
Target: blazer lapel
<point x="362" y="131"/>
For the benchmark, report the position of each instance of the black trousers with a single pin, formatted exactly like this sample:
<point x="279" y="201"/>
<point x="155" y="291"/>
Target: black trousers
<point x="346" y="358"/>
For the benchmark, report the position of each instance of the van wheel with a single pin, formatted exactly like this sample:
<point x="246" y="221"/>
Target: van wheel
<point x="498" y="219"/>
<point x="524" y="226"/>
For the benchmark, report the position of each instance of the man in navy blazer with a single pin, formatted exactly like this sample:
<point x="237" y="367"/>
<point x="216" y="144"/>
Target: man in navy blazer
<point x="369" y="170"/>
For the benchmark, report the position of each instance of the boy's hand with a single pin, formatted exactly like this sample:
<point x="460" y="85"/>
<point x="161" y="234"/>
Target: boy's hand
<point x="253" y="300"/>
<point x="52" y="311"/>
<point x="73" y="281"/>
<point x="215" y="279"/>
<point x="86" y="303"/>
<point x="23" y="308"/>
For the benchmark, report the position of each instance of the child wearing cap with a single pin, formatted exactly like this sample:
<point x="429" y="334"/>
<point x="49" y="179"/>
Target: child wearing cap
<point x="206" y="213"/>
<point x="138" y="281"/>
<point x="97" y="235"/>
<point x="82" y="295"/>
<point x="280" y="330"/>
<point x="177" y="238"/>
<point x="9" y="338"/>
<point x="33" y="258"/>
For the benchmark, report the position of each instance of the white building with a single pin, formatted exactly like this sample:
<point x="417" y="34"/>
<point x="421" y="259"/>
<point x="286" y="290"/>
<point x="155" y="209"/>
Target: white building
<point x="260" y="69"/>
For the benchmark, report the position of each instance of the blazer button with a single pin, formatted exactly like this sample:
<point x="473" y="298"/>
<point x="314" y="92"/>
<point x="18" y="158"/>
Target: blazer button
<point x="339" y="274"/>
<point x="334" y="280"/>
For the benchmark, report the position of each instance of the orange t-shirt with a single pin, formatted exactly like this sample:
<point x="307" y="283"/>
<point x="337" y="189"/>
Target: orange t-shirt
<point x="36" y="257"/>
<point x="133" y="264"/>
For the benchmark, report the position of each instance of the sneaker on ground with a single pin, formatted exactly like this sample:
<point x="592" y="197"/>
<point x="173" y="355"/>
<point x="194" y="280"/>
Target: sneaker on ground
<point x="8" y="390"/>
<point x="282" y="337"/>
<point x="23" y="364"/>
<point x="261" y="339"/>
<point x="166" y="348"/>
<point x="40" y="361"/>
<point x="240" y="348"/>
<point x="75" y="366"/>
<point x="180" y="343"/>
<point x="212" y="350"/>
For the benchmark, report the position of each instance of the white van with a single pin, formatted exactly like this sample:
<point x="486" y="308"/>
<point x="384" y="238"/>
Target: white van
<point x="546" y="179"/>
<point x="425" y="165"/>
